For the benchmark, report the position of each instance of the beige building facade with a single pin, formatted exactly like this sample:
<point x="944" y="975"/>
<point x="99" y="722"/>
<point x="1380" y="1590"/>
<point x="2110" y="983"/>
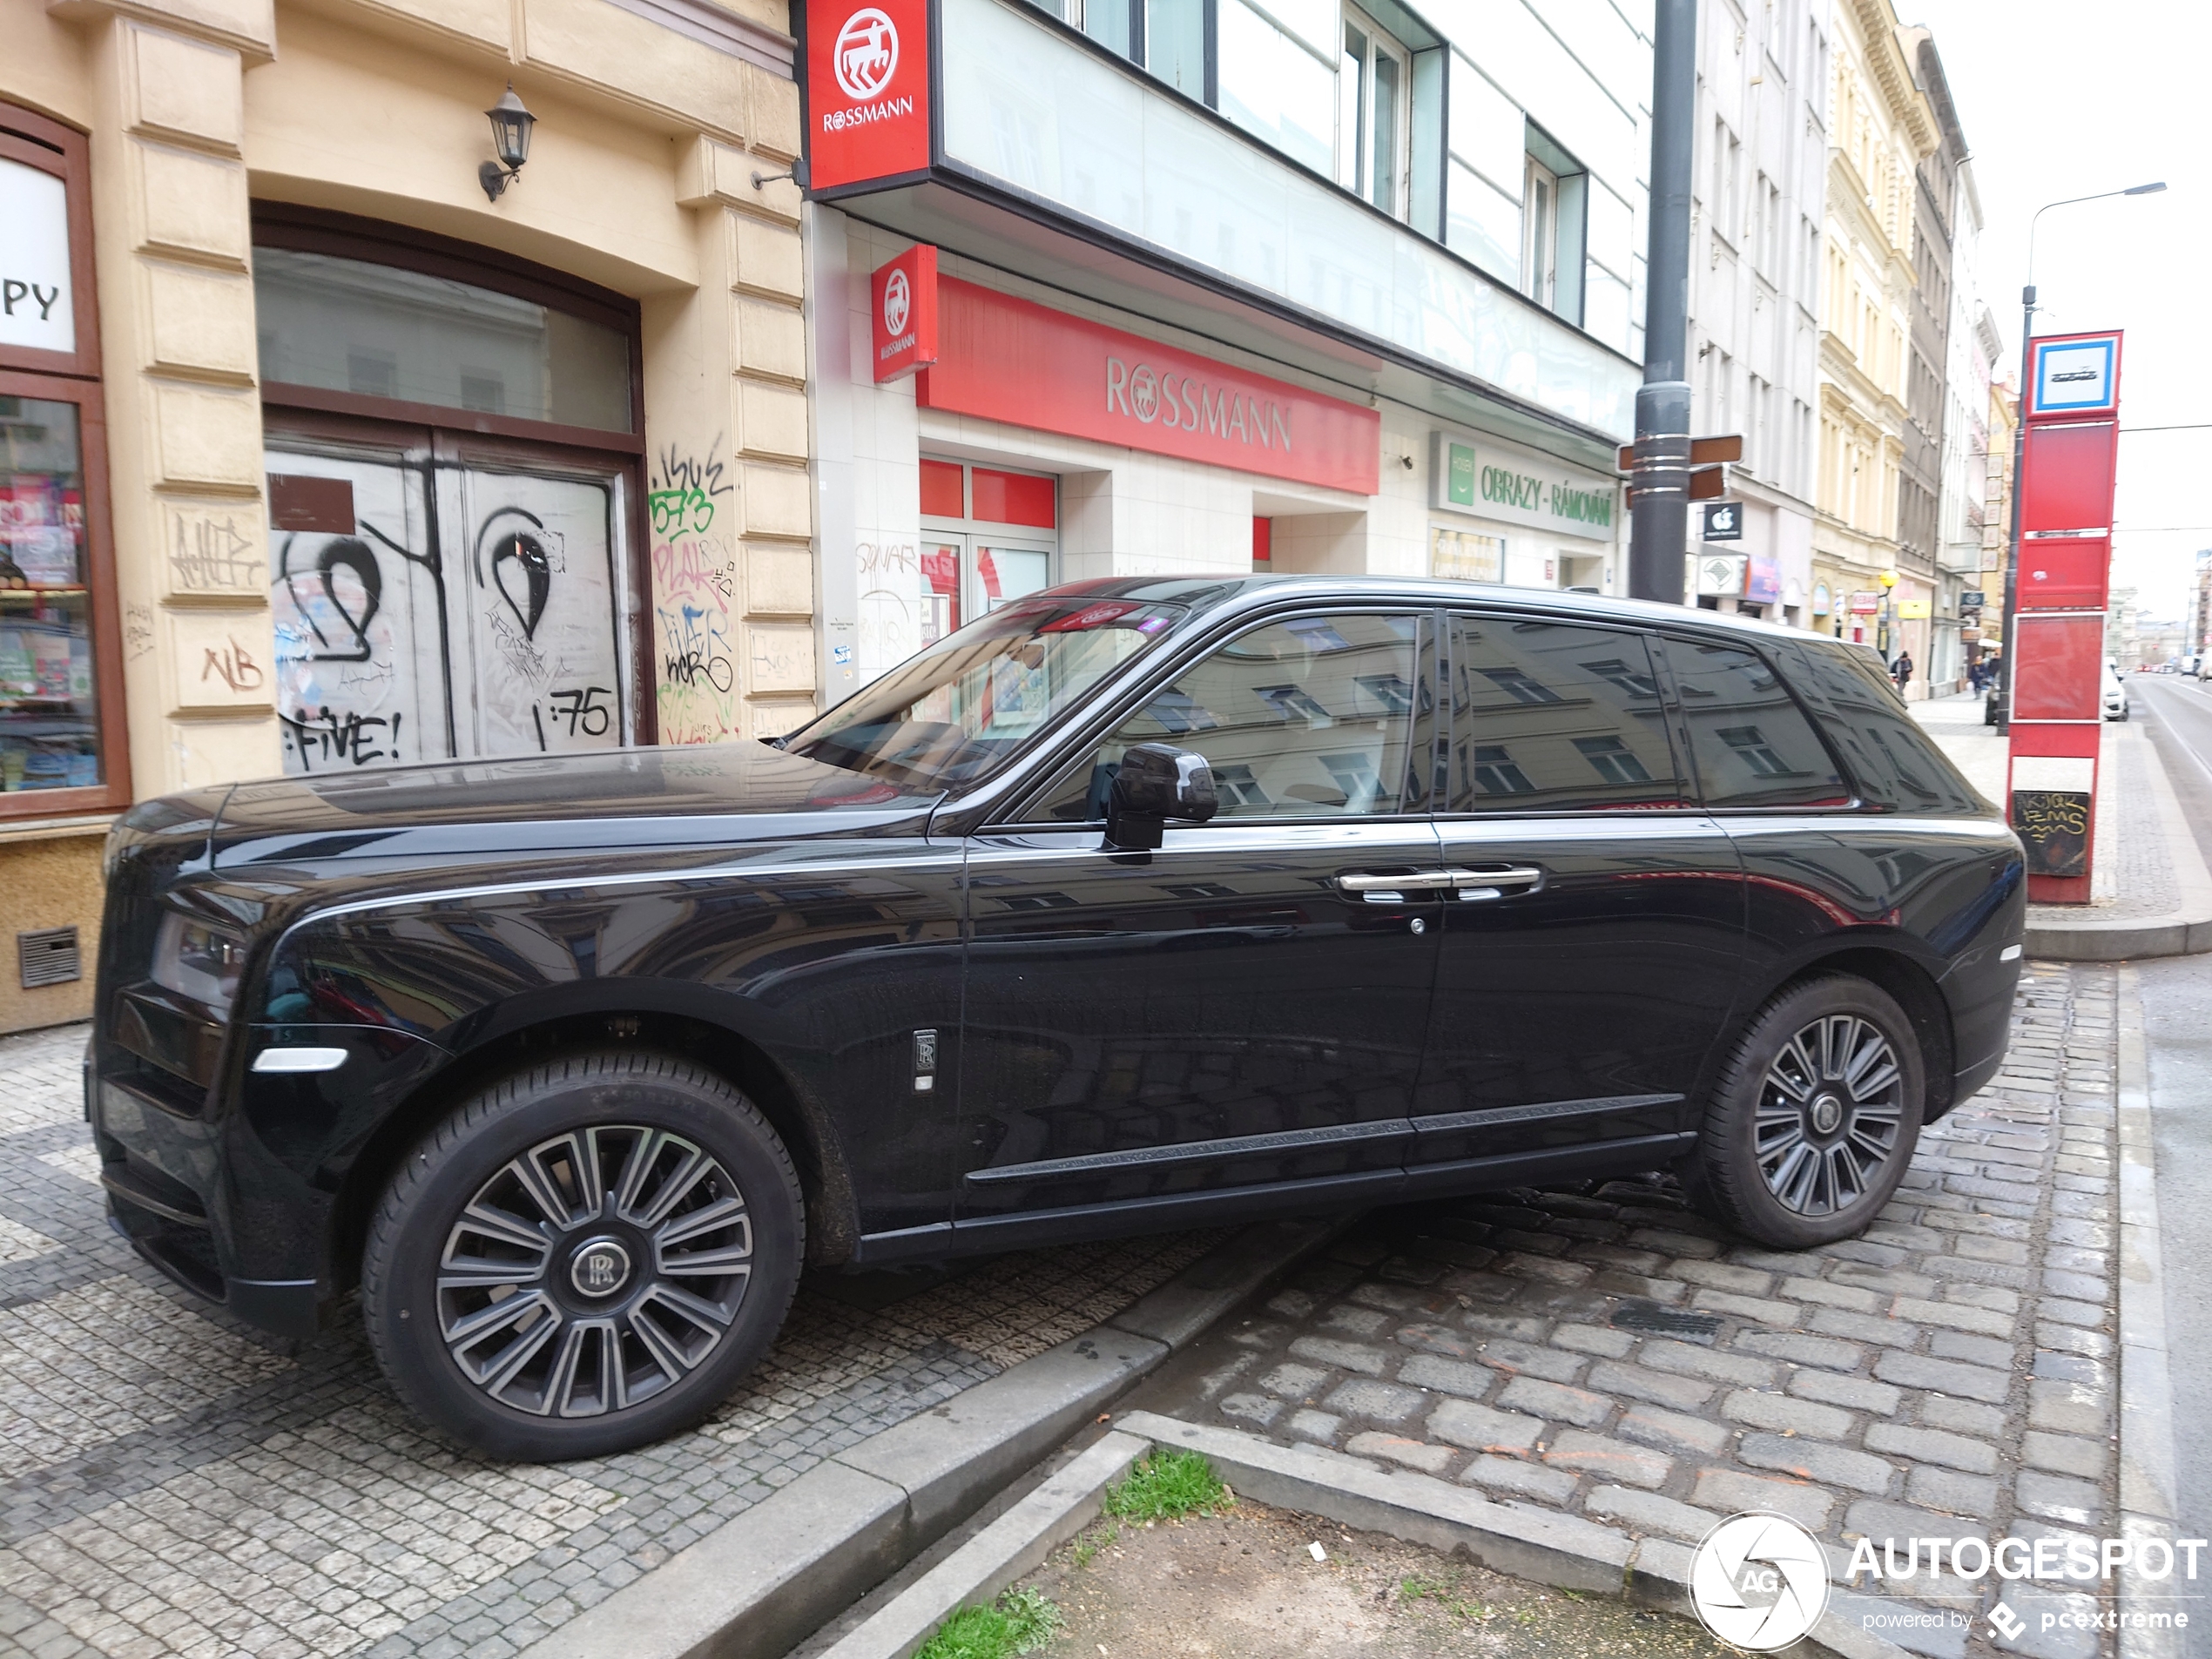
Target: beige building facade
<point x="320" y="456"/>
<point x="1880" y="126"/>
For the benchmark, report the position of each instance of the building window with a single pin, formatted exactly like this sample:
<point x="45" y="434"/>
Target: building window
<point x="459" y="521"/>
<point x="60" y="678"/>
<point x="1374" y="77"/>
<point x="1540" y="234"/>
<point x="1555" y="206"/>
<point x="1462" y="555"/>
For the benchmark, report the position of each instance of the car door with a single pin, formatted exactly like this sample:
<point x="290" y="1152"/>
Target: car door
<point x="1591" y="939"/>
<point x="1246" y="1005"/>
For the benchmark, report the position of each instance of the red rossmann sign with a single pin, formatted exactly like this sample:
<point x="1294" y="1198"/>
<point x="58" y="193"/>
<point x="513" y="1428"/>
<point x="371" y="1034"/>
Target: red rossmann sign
<point x="1008" y="359"/>
<point x="867" y="91"/>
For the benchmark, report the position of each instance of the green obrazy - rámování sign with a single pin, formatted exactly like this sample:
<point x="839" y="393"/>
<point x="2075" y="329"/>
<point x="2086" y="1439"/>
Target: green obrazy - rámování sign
<point x="1466" y="484"/>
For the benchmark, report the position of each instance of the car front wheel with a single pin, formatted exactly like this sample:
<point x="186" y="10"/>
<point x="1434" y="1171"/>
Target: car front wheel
<point x="1814" y="1117"/>
<point x="584" y="1257"/>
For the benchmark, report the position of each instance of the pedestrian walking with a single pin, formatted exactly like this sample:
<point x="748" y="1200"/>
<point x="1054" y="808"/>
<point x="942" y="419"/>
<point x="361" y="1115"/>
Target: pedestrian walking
<point x="1901" y="671"/>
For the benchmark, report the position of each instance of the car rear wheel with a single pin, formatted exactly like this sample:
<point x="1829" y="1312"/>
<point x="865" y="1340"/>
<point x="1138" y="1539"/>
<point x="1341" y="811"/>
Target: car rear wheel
<point x="1814" y="1117"/>
<point x="584" y="1257"/>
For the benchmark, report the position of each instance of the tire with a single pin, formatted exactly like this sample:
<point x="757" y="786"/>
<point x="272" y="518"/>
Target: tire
<point x="1790" y="1178"/>
<point x="645" y="1204"/>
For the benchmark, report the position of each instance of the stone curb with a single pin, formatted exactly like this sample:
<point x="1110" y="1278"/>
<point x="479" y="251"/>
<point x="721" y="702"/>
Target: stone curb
<point x="2184" y="931"/>
<point x="1011" y="1547"/>
<point x="1546" y="1549"/>
<point x="2148" y="1486"/>
<point x="762" y="1582"/>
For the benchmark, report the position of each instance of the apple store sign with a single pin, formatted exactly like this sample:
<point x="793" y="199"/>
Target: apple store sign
<point x="35" y="293"/>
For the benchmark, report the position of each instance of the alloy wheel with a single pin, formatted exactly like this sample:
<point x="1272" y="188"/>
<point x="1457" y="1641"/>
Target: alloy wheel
<point x="594" y="1271"/>
<point x="1831" y="1114"/>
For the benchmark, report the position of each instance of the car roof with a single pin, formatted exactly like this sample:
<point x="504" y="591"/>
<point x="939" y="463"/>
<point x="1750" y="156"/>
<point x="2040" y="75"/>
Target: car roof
<point x="1229" y="593"/>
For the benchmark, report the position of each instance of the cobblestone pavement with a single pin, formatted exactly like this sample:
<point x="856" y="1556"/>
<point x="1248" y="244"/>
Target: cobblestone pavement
<point x="173" y="1483"/>
<point x="1606" y="1352"/>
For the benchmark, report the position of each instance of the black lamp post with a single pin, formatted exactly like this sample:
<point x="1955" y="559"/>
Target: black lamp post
<point x="2020" y="449"/>
<point x="510" y="137"/>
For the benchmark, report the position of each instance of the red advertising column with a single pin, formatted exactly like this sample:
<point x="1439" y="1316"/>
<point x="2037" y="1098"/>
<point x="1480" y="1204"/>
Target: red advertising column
<point x="2067" y="473"/>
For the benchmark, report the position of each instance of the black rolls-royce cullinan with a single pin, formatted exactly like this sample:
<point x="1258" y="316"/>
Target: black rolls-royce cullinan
<point x="1136" y="904"/>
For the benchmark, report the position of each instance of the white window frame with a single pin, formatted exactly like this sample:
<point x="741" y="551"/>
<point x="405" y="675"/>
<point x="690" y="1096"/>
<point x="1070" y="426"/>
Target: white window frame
<point x="1355" y="110"/>
<point x="1540" y="234"/>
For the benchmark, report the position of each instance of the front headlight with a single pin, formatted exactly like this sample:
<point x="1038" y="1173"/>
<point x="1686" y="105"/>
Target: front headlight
<point x="199" y="959"/>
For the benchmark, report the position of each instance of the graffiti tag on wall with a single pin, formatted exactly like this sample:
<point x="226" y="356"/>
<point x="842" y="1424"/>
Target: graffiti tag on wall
<point x="695" y="594"/>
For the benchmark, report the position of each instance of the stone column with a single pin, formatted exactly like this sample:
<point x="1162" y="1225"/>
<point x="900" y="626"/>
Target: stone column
<point x="729" y="493"/>
<point x="173" y="250"/>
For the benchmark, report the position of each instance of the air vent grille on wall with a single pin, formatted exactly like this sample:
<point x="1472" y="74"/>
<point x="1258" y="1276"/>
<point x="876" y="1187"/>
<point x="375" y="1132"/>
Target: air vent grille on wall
<point x="49" y="956"/>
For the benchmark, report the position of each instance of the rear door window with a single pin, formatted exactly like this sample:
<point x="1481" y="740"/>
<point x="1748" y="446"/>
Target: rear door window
<point x="1555" y="717"/>
<point x="1893" y="762"/>
<point x="1750" y="743"/>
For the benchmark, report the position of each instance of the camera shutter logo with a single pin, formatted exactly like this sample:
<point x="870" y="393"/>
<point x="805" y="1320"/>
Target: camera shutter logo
<point x="898" y="300"/>
<point x="1759" y="1581"/>
<point x="866" y="54"/>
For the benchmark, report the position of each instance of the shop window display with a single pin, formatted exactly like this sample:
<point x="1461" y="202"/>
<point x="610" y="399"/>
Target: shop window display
<point x="49" y="703"/>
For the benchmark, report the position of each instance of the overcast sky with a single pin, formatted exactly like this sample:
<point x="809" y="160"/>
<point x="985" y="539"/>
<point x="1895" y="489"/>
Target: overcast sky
<point x="2060" y="98"/>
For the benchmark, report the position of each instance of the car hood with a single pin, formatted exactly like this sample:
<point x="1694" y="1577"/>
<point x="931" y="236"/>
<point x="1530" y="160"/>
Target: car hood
<point x="614" y="799"/>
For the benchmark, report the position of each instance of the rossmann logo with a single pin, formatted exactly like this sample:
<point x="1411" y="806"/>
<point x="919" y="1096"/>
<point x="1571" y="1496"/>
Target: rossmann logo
<point x="1178" y="401"/>
<point x="864" y="58"/>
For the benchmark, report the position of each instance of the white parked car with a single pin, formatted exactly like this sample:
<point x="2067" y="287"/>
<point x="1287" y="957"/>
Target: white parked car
<point x="2115" y="704"/>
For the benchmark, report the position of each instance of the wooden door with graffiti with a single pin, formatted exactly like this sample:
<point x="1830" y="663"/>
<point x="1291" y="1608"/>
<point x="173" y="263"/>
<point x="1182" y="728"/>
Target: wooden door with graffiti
<point x="437" y="597"/>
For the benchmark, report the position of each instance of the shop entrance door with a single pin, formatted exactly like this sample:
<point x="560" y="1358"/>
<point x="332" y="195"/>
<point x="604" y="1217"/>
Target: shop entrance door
<point x="967" y="576"/>
<point x="989" y="537"/>
<point x="440" y="597"/>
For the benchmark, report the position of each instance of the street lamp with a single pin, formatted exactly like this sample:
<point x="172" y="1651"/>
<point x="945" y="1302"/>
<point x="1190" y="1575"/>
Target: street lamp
<point x="2019" y="445"/>
<point x="511" y="137"/>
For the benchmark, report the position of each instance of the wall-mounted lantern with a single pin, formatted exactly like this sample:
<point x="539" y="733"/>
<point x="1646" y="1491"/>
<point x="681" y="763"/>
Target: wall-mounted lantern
<point x="510" y="137"/>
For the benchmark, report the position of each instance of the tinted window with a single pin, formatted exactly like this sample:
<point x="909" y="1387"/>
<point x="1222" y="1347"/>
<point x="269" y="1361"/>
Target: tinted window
<point x="1547" y="717"/>
<point x="975" y="700"/>
<point x="1752" y="745"/>
<point x="1316" y="717"/>
<point x="1892" y="760"/>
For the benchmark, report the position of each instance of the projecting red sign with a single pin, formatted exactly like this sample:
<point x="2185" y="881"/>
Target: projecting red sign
<point x="868" y="92"/>
<point x="1003" y="359"/>
<point x="903" y="305"/>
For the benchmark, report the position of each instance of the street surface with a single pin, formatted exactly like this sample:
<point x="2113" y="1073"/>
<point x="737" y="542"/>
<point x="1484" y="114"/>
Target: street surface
<point x="1609" y="1354"/>
<point x="2177" y="1019"/>
<point x="180" y="1486"/>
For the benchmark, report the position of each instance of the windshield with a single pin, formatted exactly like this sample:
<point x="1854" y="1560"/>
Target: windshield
<point x="969" y="705"/>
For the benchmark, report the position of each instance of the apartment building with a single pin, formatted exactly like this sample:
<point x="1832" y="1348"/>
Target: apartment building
<point x="1755" y="272"/>
<point x="1292" y="285"/>
<point x="343" y="441"/>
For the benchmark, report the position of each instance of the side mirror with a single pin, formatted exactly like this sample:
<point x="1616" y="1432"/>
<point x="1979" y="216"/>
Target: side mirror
<point x="1157" y="781"/>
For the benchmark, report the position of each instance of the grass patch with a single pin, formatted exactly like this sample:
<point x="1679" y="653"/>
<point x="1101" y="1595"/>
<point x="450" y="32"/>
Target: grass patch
<point x="1093" y="1540"/>
<point x="1020" y="1621"/>
<point x="1445" y="1590"/>
<point x="1167" y="1484"/>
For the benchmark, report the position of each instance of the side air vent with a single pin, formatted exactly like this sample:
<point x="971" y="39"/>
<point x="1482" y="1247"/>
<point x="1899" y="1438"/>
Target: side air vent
<point x="49" y="956"/>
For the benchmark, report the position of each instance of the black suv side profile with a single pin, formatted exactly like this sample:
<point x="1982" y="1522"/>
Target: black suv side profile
<point x="1137" y="904"/>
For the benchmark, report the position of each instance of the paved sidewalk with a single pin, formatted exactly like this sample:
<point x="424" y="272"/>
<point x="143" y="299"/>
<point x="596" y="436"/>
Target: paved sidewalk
<point x="1607" y="1353"/>
<point x="178" y="1485"/>
<point x="2150" y="893"/>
